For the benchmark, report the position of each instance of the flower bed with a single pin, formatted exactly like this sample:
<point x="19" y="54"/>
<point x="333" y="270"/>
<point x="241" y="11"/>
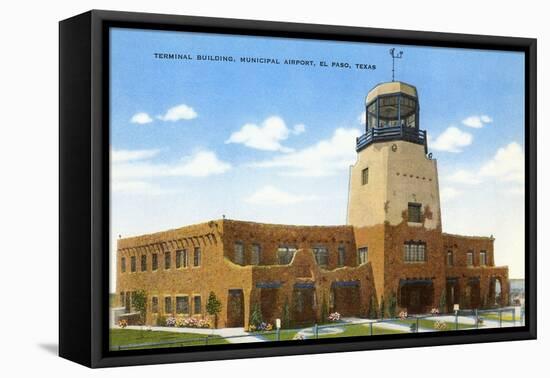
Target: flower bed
<point x="187" y="322"/>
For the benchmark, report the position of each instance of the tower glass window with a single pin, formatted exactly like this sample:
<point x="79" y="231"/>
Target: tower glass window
<point x="414" y="212"/>
<point x="392" y="110"/>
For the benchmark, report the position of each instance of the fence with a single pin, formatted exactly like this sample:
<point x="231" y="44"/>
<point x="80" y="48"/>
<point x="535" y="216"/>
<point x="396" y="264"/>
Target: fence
<point x="461" y="320"/>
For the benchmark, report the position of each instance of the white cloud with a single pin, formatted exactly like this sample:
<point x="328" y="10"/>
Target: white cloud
<point x="451" y="140"/>
<point x="141" y="118"/>
<point x="362" y="118"/>
<point x="463" y="176"/>
<point x="507" y="165"/>
<point x="121" y="156"/>
<point x="477" y="121"/>
<point x="267" y="136"/>
<point x="298" y="129"/>
<point x="269" y="195"/>
<point x="449" y="193"/>
<point x="179" y="112"/>
<point x="200" y="164"/>
<point x="324" y="158"/>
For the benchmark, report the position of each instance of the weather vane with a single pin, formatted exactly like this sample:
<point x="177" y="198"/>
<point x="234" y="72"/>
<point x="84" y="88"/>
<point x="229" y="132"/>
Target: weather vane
<point x="394" y="56"/>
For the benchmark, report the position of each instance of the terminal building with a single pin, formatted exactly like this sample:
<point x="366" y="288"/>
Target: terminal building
<point x="392" y="246"/>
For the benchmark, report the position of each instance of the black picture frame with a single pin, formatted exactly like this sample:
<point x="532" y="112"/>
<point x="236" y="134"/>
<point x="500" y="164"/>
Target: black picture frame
<point x="84" y="194"/>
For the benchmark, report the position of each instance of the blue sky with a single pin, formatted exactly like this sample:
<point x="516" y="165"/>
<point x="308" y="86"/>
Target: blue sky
<point x="192" y="140"/>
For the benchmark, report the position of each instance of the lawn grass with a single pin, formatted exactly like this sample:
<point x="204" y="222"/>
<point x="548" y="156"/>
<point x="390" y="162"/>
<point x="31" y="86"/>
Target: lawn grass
<point x="430" y="324"/>
<point x="286" y="334"/>
<point x="361" y="330"/>
<point x="125" y="337"/>
<point x="506" y="316"/>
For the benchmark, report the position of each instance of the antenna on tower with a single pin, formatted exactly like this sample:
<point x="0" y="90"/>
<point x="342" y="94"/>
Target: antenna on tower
<point x="394" y="56"/>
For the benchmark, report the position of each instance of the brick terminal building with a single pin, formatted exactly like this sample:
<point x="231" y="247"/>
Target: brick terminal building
<point x="392" y="246"/>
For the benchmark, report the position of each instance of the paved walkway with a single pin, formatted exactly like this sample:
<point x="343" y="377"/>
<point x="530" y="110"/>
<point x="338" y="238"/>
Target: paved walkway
<point x="229" y="333"/>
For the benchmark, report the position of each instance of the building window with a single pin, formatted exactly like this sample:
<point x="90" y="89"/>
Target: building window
<point x="122" y="303"/>
<point x="239" y="253"/>
<point x="182" y="305"/>
<point x="341" y="255"/>
<point x="414" y="212"/>
<point x="154" y="305"/>
<point x="197" y="257"/>
<point x="155" y="264"/>
<point x="143" y="263"/>
<point x="133" y="263"/>
<point x="181" y="259"/>
<point x="470" y="258"/>
<point x="197" y="304"/>
<point x="365" y="176"/>
<point x="321" y="256"/>
<point x="362" y="255"/>
<point x="414" y="252"/>
<point x="450" y="261"/>
<point x="483" y="258"/>
<point x="167" y="305"/>
<point x="167" y="260"/>
<point x="285" y="255"/>
<point x="123" y="264"/>
<point x="255" y="254"/>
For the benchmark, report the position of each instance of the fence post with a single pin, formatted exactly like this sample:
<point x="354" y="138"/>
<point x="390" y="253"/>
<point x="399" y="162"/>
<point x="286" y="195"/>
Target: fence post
<point x="316" y="330"/>
<point x="371" y="328"/>
<point x="456" y="320"/>
<point x="500" y="317"/>
<point x="417" y="324"/>
<point x="278" y="334"/>
<point x="514" y="315"/>
<point x="477" y="318"/>
<point x="206" y="340"/>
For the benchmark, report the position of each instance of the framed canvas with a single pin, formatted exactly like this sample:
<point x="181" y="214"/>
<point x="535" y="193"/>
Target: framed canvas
<point x="234" y="188"/>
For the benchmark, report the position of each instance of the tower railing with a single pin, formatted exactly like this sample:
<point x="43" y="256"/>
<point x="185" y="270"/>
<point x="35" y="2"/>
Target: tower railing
<point x="386" y="134"/>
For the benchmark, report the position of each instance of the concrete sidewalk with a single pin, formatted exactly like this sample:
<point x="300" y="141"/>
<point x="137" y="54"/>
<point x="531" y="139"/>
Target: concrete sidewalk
<point x="233" y="335"/>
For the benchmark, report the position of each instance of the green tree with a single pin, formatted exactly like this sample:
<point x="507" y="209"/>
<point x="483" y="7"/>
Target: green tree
<point x="139" y="302"/>
<point x="286" y="314"/>
<point x="373" y="313"/>
<point x="442" y="303"/>
<point x="392" y="306"/>
<point x="324" y="310"/>
<point x="213" y="307"/>
<point x="256" y="317"/>
<point x="382" y="308"/>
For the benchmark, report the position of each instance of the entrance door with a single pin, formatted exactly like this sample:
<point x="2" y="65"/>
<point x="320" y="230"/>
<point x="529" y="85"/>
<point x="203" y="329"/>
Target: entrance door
<point x="235" y="308"/>
<point x="304" y="305"/>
